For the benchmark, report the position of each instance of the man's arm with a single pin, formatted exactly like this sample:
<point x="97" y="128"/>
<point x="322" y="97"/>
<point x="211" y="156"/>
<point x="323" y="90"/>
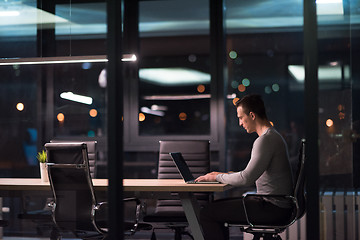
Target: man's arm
<point x="210" y="177"/>
<point x="260" y="158"/>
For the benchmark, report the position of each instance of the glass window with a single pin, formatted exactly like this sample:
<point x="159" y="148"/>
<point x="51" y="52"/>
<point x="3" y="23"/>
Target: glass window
<point x="264" y="38"/>
<point x="18" y="28"/>
<point x="174" y="75"/>
<point x="18" y="121"/>
<point x="337" y="76"/>
<point x="79" y="100"/>
<point x="40" y="102"/>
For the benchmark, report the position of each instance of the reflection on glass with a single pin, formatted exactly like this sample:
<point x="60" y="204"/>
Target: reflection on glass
<point x="174" y="101"/>
<point x="337" y="119"/>
<point x="78" y="95"/>
<point x="262" y="41"/>
<point x="18" y="119"/>
<point x="174" y="81"/>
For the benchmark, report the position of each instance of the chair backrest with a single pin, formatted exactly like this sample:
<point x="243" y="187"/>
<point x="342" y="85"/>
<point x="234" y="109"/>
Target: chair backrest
<point x="195" y="153"/>
<point x="92" y="153"/>
<point x="71" y="184"/>
<point x="299" y="188"/>
<point x="197" y="156"/>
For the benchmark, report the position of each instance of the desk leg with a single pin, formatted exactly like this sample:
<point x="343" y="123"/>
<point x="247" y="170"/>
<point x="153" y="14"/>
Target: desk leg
<point x="192" y="208"/>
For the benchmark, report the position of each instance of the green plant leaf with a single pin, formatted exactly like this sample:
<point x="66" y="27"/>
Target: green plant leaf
<point x="41" y="156"/>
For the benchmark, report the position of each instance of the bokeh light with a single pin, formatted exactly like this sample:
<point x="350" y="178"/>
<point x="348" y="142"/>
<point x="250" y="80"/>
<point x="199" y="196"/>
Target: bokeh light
<point x="246" y="82"/>
<point x="275" y="87"/>
<point x="60" y="117"/>
<point x="241" y="88"/>
<point x="329" y="123"/>
<point x="341" y="107"/>
<point x="267" y="90"/>
<point x="141" y="117"/>
<point x="93" y="113"/>
<point x="232" y="54"/>
<point x="201" y="88"/>
<point x="20" y="106"/>
<point x="234" y="84"/>
<point x="341" y="115"/>
<point x="235" y="100"/>
<point x="182" y="116"/>
<point x="192" y="58"/>
<point x="91" y="133"/>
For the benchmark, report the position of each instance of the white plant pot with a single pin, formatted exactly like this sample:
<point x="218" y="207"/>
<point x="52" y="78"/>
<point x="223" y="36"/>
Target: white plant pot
<point x="43" y="172"/>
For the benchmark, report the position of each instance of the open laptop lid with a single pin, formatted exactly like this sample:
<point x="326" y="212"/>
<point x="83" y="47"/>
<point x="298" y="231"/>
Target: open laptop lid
<point x="184" y="168"/>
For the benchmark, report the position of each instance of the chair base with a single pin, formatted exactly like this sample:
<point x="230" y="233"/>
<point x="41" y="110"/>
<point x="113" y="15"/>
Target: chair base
<point x="266" y="236"/>
<point x="179" y="232"/>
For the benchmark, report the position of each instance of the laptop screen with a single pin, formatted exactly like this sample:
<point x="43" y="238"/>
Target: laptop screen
<point x="182" y="166"/>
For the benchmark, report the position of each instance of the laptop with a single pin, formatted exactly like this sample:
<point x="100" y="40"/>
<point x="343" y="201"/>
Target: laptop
<point x="183" y="168"/>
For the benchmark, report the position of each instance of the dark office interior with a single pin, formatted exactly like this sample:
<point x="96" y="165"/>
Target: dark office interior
<point x="193" y="60"/>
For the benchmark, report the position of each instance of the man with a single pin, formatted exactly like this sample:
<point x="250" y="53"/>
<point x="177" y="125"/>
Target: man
<point x="268" y="168"/>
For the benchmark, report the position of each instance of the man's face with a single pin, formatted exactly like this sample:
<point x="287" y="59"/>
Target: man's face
<point x="246" y="121"/>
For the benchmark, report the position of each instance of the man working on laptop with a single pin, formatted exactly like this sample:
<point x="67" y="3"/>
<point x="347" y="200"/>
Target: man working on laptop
<point x="268" y="168"/>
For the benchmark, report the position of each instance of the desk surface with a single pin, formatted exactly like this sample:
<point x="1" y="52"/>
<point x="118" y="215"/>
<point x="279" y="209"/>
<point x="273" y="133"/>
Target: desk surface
<point x="144" y="185"/>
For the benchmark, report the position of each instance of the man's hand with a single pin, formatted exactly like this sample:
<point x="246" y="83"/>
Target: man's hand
<point x="210" y="177"/>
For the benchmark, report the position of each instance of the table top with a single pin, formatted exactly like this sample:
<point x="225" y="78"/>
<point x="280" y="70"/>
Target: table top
<point x="144" y="185"/>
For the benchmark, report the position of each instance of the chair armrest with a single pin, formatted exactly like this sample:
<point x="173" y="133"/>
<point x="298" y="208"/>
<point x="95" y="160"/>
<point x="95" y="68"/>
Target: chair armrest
<point x="137" y="212"/>
<point x="97" y="207"/>
<point x="97" y="210"/>
<point x="51" y="205"/>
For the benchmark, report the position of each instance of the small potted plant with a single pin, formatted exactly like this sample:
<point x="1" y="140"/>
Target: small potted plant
<point x="41" y="156"/>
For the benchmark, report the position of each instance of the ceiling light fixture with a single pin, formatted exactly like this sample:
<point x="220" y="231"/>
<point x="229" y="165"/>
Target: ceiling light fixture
<point x="325" y="73"/>
<point x="153" y="112"/>
<point x="9" y="13"/>
<point x="76" y="98"/>
<point x="329" y="7"/>
<point x="173" y="76"/>
<point x="183" y="97"/>
<point x="57" y="60"/>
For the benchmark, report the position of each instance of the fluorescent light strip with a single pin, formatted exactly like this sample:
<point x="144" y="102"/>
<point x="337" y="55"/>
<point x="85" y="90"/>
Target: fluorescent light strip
<point x="173" y="76"/>
<point x="328" y="1"/>
<point x="183" y="97"/>
<point x="176" y="97"/>
<point x="129" y="58"/>
<point x="153" y="112"/>
<point x="9" y="13"/>
<point x="76" y="98"/>
<point x="56" y="60"/>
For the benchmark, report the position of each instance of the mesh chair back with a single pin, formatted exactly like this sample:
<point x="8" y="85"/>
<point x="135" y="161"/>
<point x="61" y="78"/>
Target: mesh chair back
<point x="92" y="154"/>
<point x="299" y="188"/>
<point x="196" y="155"/>
<point x="71" y="184"/>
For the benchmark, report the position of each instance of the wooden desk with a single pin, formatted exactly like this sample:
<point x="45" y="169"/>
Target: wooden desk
<point x="185" y="191"/>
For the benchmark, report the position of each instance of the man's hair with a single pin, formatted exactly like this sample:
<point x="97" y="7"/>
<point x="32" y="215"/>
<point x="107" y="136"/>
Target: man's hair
<point x="252" y="103"/>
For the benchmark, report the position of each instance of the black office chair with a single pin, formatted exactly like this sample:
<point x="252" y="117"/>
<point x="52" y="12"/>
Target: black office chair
<point x="271" y="231"/>
<point x="92" y="153"/>
<point x="42" y="217"/>
<point x="169" y="212"/>
<point x="75" y="208"/>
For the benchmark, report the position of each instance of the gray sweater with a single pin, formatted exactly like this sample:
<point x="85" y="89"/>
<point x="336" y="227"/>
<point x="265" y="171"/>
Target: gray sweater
<point x="268" y="168"/>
